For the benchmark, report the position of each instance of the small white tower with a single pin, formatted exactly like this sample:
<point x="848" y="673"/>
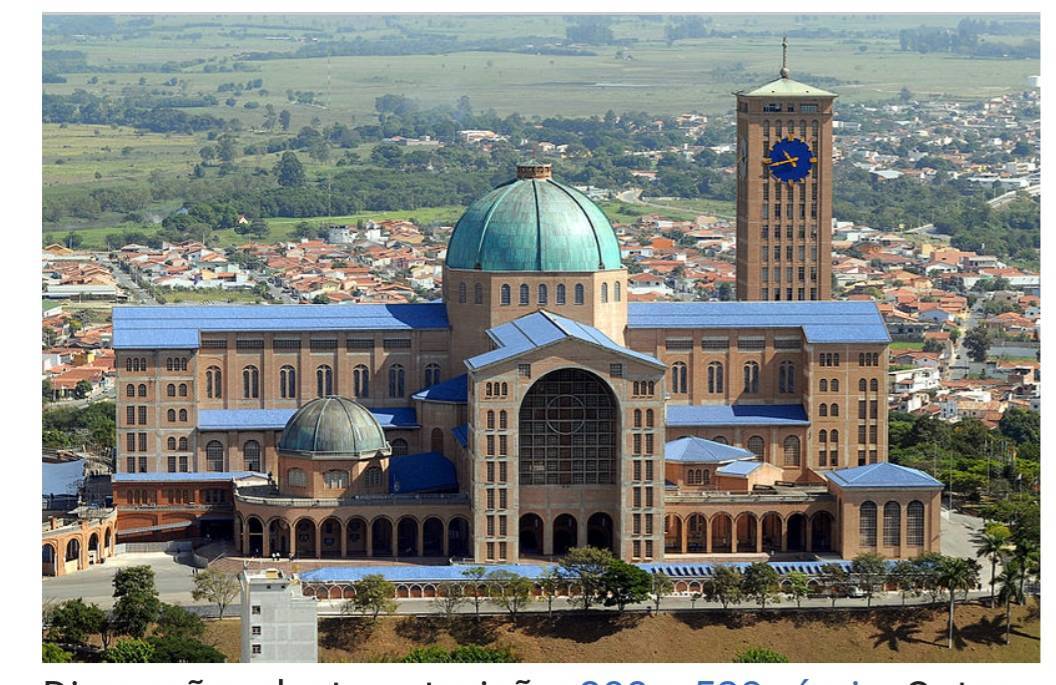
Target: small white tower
<point x="279" y="624"/>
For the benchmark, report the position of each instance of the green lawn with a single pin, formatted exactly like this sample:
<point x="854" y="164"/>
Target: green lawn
<point x="208" y="296"/>
<point x="907" y="345"/>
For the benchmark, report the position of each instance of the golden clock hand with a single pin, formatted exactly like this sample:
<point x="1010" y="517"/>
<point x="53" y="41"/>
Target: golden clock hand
<point x="790" y="160"/>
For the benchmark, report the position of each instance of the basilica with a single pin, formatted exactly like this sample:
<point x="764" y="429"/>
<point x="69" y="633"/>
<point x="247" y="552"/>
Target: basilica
<point x="535" y="409"/>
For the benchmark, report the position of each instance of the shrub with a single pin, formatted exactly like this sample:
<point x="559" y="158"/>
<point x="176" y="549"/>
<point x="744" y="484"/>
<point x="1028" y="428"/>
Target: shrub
<point x="465" y="654"/>
<point x="51" y="653"/>
<point x="130" y="651"/>
<point x="760" y="655"/>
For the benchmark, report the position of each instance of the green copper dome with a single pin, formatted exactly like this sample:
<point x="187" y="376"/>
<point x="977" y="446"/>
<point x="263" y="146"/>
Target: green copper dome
<point x="333" y="427"/>
<point x="533" y="223"/>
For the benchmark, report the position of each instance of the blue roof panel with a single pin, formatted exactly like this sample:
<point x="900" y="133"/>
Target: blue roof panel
<point x="461" y="434"/>
<point x="276" y="419"/>
<point x="425" y="472"/>
<point x="851" y="321"/>
<point x="736" y="415"/>
<point x="183" y="477"/>
<point x="882" y="475"/>
<point x="701" y="451"/>
<point x="738" y="468"/>
<point x="452" y="391"/>
<point x="179" y="326"/>
<point x="396" y="417"/>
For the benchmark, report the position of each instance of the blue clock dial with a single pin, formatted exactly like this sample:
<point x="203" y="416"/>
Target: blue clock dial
<point x="790" y="159"/>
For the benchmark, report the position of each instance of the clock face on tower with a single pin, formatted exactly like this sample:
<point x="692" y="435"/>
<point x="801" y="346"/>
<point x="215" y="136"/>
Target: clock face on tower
<point x="790" y="159"/>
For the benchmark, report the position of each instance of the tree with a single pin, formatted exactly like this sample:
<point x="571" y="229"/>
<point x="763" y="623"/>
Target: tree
<point x="175" y="621"/>
<point x="760" y="655"/>
<point x="760" y="581"/>
<point x="977" y="342"/>
<point x="585" y="566"/>
<point x="662" y="586"/>
<point x="798" y="586"/>
<point x="1011" y="581"/>
<point x="871" y="569"/>
<point x="289" y="171"/>
<point x="902" y="575"/>
<point x="479" y="592"/>
<point x="216" y="587"/>
<point x="725" y="585"/>
<point x="178" y="649"/>
<point x="724" y="292"/>
<point x="137" y="603"/>
<point x="956" y="574"/>
<point x="73" y="621"/>
<point x="130" y="651"/>
<point x="623" y="584"/>
<point x="374" y="595"/>
<point x="550" y="583"/>
<point x="511" y="590"/>
<point x="992" y="542"/>
<point x="1021" y="425"/>
<point x="51" y="653"/>
<point x="836" y="579"/>
<point x="82" y="390"/>
<point x="284" y="119"/>
<point x="450" y="600"/>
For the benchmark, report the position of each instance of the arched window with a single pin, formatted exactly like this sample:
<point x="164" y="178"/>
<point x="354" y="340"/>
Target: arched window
<point x="324" y="381"/>
<point x="372" y="477"/>
<point x="786" y="377"/>
<point x="823" y="385"/>
<point x="436" y="441"/>
<point x="396" y="381"/>
<point x="867" y="524"/>
<point x="361" y="382"/>
<point x="128" y="364"/>
<point x="183" y="415"/>
<point x="213" y="383"/>
<point x="823" y="448"/>
<point x="616" y="295"/>
<point x="251" y="456"/>
<point x="214" y="456"/>
<point x="678" y="377"/>
<point x="502" y="420"/>
<point x="336" y="478"/>
<point x="834" y="385"/>
<point x="491" y="419"/>
<point x="861" y="359"/>
<point x="791" y="451"/>
<point x="721" y="439"/>
<point x="823" y="409"/>
<point x="751" y="377"/>
<point x="183" y="444"/>
<point x="561" y="293"/>
<point x="183" y="390"/>
<point x="250" y="382"/>
<point x="478" y="294"/>
<point x="579" y="295"/>
<point x="461" y="293"/>
<point x="915" y="524"/>
<point x="142" y="390"/>
<point x="756" y="445"/>
<point x="399" y="447"/>
<point x="637" y="418"/>
<point x="874" y="385"/>
<point x="287" y="382"/>
<point x="168" y="363"/>
<point x="715" y="377"/>
<point x="432" y="374"/>
<point x="171" y="415"/>
<point x="861" y="384"/>
<point x="170" y="390"/>
<point x="650" y="418"/>
<point x="296" y="478"/>
<point x="504" y="294"/>
<point x="524" y="293"/>
<point x="171" y="444"/>
<point x="542" y="294"/>
<point x="604" y="292"/>
<point x="130" y="390"/>
<point x="892" y="524"/>
<point x="834" y="409"/>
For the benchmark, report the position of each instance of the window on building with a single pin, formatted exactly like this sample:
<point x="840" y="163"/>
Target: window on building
<point x="679" y="383"/>
<point x="791" y="446"/>
<point x="461" y="293"/>
<point x="834" y="409"/>
<point x="170" y="390"/>
<point x="502" y="420"/>
<point x="504" y="294"/>
<point x="604" y="293"/>
<point x="542" y="294"/>
<point x="478" y="294"/>
<point x="756" y="445"/>
<point x="372" y="477"/>
<point x="324" y="381"/>
<point x="287" y="382"/>
<point x="214" y="456"/>
<point x="616" y="294"/>
<point x="579" y="294"/>
<point x="250" y="382"/>
<point x="396" y="381"/>
<point x="716" y="376"/>
<point x="432" y="374"/>
<point x="524" y="293"/>
<point x="361" y="381"/>
<point x="251" y="456"/>
<point x="296" y="478"/>
<point x="892" y="524"/>
<point x="399" y="447"/>
<point x="834" y="385"/>
<point x="213" y="383"/>
<point x="867" y="524"/>
<point x="751" y="377"/>
<point x="823" y="385"/>
<point x="786" y="377"/>
<point x="335" y="478"/>
<point x="561" y="293"/>
<point x="183" y="444"/>
<point x="183" y="390"/>
<point x="915" y="524"/>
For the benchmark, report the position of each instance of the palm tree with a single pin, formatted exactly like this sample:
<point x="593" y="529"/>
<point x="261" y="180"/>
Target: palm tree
<point x="1028" y="556"/>
<point x="1011" y="589"/>
<point x="992" y="543"/>
<point x="955" y="573"/>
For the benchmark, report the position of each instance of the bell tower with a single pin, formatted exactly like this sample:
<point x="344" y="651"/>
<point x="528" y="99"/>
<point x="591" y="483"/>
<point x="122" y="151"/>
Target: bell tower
<point x="784" y="190"/>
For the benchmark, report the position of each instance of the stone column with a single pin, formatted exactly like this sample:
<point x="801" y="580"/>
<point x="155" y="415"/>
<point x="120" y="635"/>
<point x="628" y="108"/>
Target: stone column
<point x="808" y="534"/>
<point x="759" y="535"/>
<point x="707" y="535"/>
<point x="443" y="542"/>
<point x="369" y="533"/>
<point x="343" y="532"/>
<point x="784" y="534"/>
<point x="265" y="545"/>
<point x="421" y="539"/>
<point x="318" y="541"/>
<point x="683" y="534"/>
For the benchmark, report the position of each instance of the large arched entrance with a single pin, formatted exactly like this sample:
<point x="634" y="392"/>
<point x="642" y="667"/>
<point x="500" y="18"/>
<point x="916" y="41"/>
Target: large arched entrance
<point x="330" y="538"/>
<point x="305" y="539"/>
<point x="47" y="560"/>
<point x="746" y="533"/>
<point x="433" y="537"/>
<point x="531" y="534"/>
<point x="796" y="533"/>
<point x="356" y="534"/>
<point x="458" y="538"/>
<point x="771" y="533"/>
<point x="94" y="556"/>
<point x="255" y="530"/>
<point x="565" y="533"/>
<point x="821" y="532"/>
<point x="73" y="553"/>
<point x="279" y="537"/>
<point x="381" y="537"/>
<point x="600" y="531"/>
<point x="407" y="538"/>
<point x="721" y="534"/>
<point x="569" y="431"/>
<point x="696" y="534"/>
<point x="672" y="534"/>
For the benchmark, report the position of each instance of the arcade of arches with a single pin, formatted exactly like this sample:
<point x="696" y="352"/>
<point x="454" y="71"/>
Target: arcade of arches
<point x="76" y="546"/>
<point x="747" y="532"/>
<point x="556" y="537"/>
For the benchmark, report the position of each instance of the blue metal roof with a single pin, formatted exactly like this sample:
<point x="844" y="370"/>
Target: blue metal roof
<point x="543" y="328"/>
<point x="179" y="326"/>
<point x="276" y="419"/>
<point x="183" y="477"/>
<point x="701" y="451"/>
<point x="852" y="321"/>
<point x="461" y="434"/>
<point x="882" y="475"/>
<point x="736" y="415"/>
<point x="425" y="472"/>
<point x="62" y="478"/>
<point x="738" y="468"/>
<point x="453" y="391"/>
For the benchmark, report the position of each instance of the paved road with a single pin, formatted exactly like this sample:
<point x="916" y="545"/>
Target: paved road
<point x="135" y="293"/>
<point x="174" y="580"/>
<point x="634" y="197"/>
